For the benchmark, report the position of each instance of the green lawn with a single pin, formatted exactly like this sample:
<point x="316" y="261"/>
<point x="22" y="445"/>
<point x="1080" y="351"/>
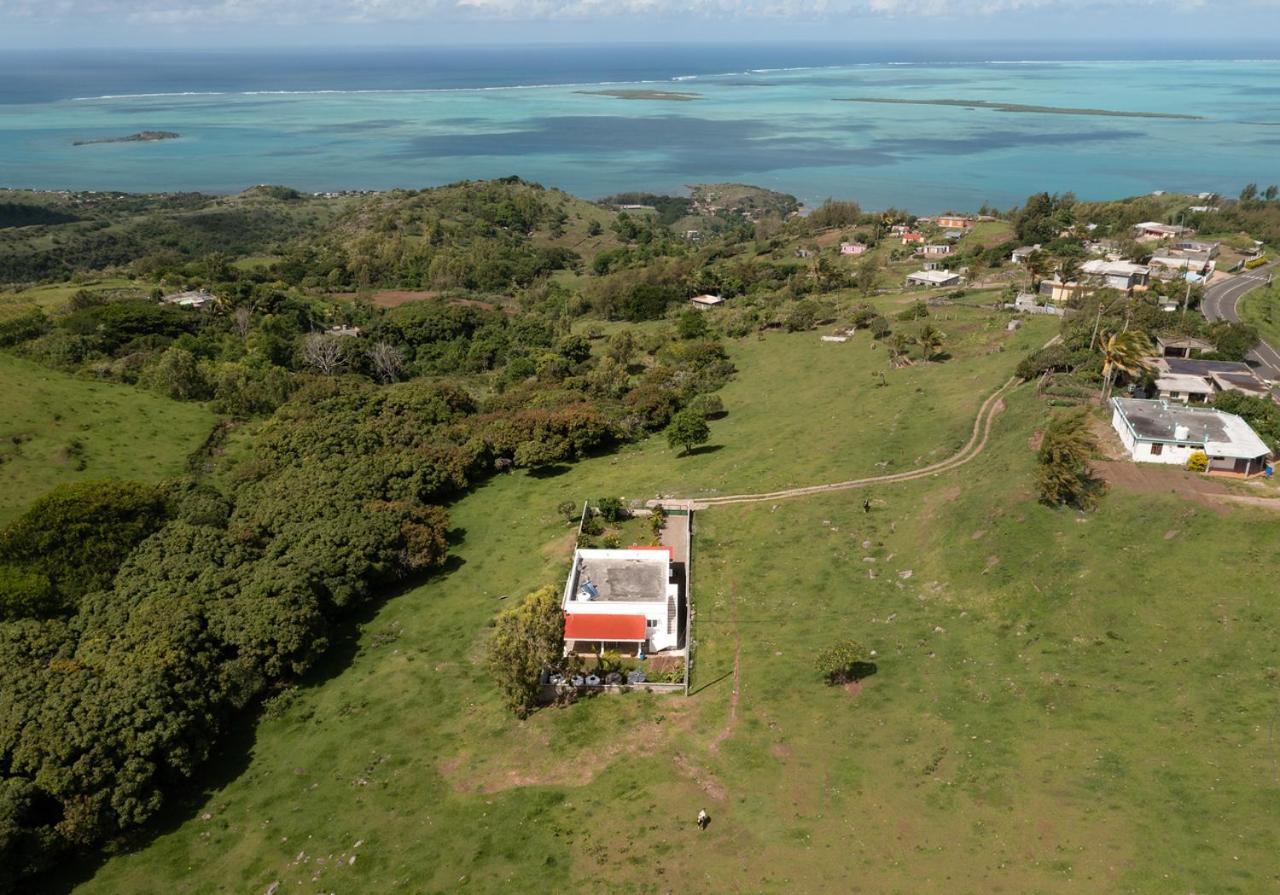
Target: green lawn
<point x="1261" y="308"/>
<point x="1063" y="703"/>
<point x="123" y="432"/>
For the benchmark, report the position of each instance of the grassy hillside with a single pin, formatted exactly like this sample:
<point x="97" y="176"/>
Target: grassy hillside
<point x="52" y="235"/>
<point x="1063" y="703"/>
<point x="56" y="428"/>
<point x="1261" y="308"/>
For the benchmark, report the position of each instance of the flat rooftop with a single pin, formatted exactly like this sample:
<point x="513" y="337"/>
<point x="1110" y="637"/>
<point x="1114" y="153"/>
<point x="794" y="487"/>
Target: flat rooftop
<point x="630" y="576"/>
<point x="1194" y="366"/>
<point x="1222" y="434"/>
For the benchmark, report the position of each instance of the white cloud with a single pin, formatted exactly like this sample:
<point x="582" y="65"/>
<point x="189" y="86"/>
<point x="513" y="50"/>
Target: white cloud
<point x="193" y="13"/>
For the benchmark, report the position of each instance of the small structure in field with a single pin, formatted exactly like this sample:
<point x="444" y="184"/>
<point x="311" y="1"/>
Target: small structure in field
<point x="1021" y="254"/>
<point x="624" y="601"/>
<point x="707" y="301"/>
<point x="852" y="248"/>
<point x="1155" y="230"/>
<point x="1160" y="432"/>
<point x="953" y="222"/>
<point x="195" y="298"/>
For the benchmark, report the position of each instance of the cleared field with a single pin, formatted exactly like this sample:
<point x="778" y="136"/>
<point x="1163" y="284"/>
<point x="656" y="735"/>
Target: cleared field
<point x="53" y="297"/>
<point x="56" y="428"/>
<point x="1062" y="703"/>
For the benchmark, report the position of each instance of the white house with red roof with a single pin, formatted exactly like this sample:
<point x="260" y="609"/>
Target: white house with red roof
<point x="622" y="601"/>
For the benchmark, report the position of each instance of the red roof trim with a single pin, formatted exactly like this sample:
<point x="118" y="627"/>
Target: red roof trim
<point x="595" y="626"/>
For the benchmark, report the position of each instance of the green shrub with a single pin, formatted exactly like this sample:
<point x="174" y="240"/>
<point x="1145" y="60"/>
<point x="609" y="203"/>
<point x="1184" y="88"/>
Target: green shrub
<point x="843" y="661"/>
<point x="1198" y="461"/>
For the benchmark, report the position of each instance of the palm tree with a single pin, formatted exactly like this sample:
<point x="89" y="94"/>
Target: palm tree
<point x="1123" y="352"/>
<point x="899" y="342"/>
<point x="1037" y="265"/>
<point x="930" y="340"/>
<point x="1069" y="270"/>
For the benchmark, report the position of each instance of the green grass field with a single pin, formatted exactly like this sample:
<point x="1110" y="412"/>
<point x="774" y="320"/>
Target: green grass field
<point x="122" y="432"/>
<point x="54" y="297"/>
<point x="1261" y="308"/>
<point x="1063" y="703"/>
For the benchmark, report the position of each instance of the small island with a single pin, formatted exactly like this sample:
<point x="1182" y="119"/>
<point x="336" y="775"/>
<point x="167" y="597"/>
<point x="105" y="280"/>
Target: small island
<point x="1018" y="107"/>
<point x="140" y="137"/>
<point x="672" y="96"/>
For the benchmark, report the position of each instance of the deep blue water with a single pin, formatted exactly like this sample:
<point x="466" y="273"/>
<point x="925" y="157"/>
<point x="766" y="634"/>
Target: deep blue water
<point x="333" y="119"/>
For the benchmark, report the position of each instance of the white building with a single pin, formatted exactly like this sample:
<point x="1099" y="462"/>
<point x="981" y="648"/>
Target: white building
<point x="707" y="301"/>
<point x="1020" y="255"/>
<point x="196" y="298"/>
<point x="1122" y="275"/>
<point x="852" y="248"/>
<point x="621" y="600"/>
<point x="1160" y="432"/>
<point x="933" y="278"/>
<point x="1195" y="381"/>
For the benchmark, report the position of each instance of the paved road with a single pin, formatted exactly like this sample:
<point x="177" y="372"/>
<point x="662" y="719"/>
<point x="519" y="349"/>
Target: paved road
<point x="1220" y="301"/>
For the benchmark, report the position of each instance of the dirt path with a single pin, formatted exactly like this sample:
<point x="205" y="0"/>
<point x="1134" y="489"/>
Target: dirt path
<point x="977" y="442"/>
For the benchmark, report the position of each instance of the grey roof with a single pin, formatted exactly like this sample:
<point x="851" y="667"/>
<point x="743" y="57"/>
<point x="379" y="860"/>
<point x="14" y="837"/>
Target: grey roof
<point x="628" y="580"/>
<point x="1194" y="366"/>
<point x="1221" y="434"/>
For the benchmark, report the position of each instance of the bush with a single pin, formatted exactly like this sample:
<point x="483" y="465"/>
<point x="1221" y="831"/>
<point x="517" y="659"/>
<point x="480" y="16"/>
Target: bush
<point x="1198" y="461"/>
<point x="612" y="509"/>
<point x="917" y="310"/>
<point x="879" y="327"/>
<point x="710" y="406"/>
<point x="843" y="661"/>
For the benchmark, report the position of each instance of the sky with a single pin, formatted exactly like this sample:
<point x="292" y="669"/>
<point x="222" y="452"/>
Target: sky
<point x="226" y="24"/>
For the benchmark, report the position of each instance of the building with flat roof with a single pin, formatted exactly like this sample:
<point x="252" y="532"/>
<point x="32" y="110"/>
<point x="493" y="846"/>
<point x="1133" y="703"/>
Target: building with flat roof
<point x="933" y="278"/>
<point x="1161" y="432"/>
<point x="1196" y="381"/>
<point x="621" y="600"/>
<point x="195" y="298"/>
<point x="1156" y="230"/>
<point x="707" y="301"/>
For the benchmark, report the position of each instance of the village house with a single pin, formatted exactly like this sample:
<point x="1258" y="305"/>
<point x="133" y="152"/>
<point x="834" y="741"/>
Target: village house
<point x="1172" y="261"/>
<point x="1020" y="255"/>
<point x="1160" y="432"/>
<point x="1182" y="346"/>
<point x="940" y="249"/>
<point x="1059" y="292"/>
<point x="1155" y="230"/>
<point x="930" y="279"/>
<point x="622" y="600"/>
<point x="196" y="298"/>
<point x="953" y="222"/>
<point x="1122" y="275"/>
<point x="911" y="236"/>
<point x="707" y="301"/>
<point x="852" y="248"/>
<point x="1195" y="381"/>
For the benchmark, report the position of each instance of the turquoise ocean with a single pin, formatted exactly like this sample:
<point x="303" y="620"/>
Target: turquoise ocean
<point x="767" y="116"/>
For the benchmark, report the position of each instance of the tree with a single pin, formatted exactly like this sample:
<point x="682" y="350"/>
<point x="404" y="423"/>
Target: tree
<point x="1271" y="192"/>
<point x="1063" y="477"/>
<point x="575" y="348"/>
<point x="387" y="361"/>
<point x="242" y="320"/>
<point x="687" y="429"/>
<point x="930" y="339"/>
<point x="612" y="509"/>
<point x="1038" y="265"/>
<point x="1069" y="270"/>
<point x="1249" y="192"/>
<point x="177" y="374"/>
<point x="867" y="274"/>
<point x="622" y="346"/>
<point x="692" y="325"/>
<point x="323" y="351"/>
<point x="1123" y="352"/>
<point x="527" y="640"/>
<point x="843" y="661"/>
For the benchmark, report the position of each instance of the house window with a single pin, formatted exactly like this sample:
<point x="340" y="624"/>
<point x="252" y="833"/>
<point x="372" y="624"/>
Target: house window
<point x="651" y="623"/>
<point x="1157" y="449"/>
